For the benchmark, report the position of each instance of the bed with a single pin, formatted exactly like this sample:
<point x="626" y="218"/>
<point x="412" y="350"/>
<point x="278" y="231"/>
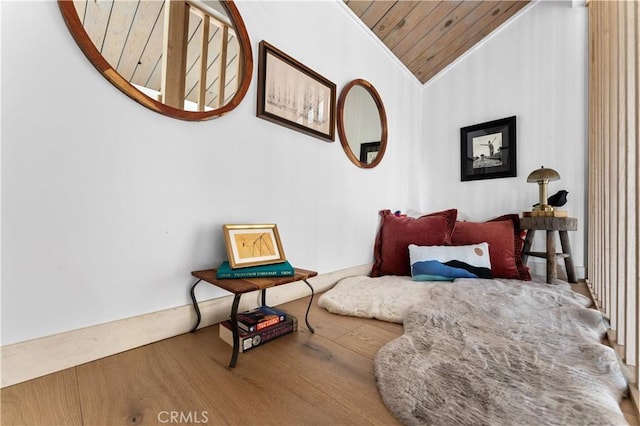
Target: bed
<point x="495" y="348"/>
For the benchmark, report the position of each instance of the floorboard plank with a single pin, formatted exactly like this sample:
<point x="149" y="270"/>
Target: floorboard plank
<point x="325" y="323"/>
<point x="51" y="399"/>
<point x="367" y="339"/>
<point x="135" y="387"/>
<point x="267" y="381"/>
<point x="337" y="370"/>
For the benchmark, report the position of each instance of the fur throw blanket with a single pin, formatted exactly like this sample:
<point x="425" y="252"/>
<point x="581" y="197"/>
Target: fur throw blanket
<point x="489" y="352"/>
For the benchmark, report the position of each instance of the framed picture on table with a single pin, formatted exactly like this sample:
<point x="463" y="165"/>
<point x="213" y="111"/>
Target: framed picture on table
<point x="252" y="245"/>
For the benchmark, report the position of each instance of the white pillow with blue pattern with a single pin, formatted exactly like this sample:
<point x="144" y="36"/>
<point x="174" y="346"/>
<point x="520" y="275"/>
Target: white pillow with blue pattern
<point x="446" y="263"/>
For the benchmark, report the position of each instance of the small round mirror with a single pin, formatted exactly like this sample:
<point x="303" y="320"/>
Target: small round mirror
<point x="188" y="59"/>
<point x="362" y="123"/>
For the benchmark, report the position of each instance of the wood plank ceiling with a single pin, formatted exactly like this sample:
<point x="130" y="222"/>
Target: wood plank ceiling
<point x="426" y="36"/>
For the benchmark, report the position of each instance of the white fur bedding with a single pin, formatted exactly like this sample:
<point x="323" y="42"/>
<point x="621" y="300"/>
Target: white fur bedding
<point x="487" y="352"/>
<point x="387" y="298"/>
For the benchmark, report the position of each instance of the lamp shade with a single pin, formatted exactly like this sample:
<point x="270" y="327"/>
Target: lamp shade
<point x="542" y="177"/>
<point x="542" y="174"/>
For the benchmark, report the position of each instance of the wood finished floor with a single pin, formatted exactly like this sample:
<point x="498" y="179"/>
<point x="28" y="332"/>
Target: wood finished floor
<point x="324" y="378"/>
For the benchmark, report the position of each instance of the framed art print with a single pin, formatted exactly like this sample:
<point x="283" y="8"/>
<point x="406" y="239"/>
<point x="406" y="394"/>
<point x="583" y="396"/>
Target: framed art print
<point x="252" y="245"/>
<point x="369" y="151"/>
<point x="293" y="95"/>
<point x="488" y="150"/>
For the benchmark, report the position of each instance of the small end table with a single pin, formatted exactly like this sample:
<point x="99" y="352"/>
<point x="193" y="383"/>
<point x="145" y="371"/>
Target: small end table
<point x="245" y="285"/>
<point x="551" y="225"/>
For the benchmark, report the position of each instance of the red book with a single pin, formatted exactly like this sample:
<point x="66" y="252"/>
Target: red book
<point x="260" y="318"/>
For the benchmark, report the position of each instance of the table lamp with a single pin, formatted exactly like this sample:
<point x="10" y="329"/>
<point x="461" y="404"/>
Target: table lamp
<point x="542" y="177"/>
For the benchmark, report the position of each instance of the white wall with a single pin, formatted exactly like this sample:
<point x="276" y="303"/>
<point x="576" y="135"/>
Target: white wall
<point x="534" y="68"/>
<point x="107" y="206"/>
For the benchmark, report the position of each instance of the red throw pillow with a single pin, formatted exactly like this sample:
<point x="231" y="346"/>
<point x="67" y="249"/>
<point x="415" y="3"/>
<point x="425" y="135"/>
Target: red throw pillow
<point x="505" y="244"/>
<point x="391" y="250"/>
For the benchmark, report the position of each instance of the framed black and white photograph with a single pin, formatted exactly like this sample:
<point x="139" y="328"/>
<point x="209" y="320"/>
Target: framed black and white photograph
<point x="488" y="150"/>
<point x="293" y="95"/>
<point x="369" y="151"/>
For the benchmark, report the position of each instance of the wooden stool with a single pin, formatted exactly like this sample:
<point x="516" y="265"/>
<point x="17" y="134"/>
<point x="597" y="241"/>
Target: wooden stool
<point x="551" y="225"/>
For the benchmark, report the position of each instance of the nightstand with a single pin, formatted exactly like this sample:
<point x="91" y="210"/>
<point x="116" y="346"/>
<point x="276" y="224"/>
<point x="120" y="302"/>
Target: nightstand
<point x="551" y="225"/>
<point x="241" y="286"/>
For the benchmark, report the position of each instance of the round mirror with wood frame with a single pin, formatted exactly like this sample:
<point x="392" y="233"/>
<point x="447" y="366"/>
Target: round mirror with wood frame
<point x="187" y="59"/>
<point x="362" y="123"/>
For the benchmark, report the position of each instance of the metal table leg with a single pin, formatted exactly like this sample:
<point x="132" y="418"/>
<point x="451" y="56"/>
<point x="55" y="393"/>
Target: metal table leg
<point x="306" y="317"/>
<point x="234" y="329"/>
<point x="195" y="305"/>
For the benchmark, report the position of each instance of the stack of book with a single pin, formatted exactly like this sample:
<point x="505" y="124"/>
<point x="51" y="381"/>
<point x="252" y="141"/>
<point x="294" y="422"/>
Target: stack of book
<point x="283" y="269"/>
<point x="553" y="213"/>
<point x="259" y="326"/>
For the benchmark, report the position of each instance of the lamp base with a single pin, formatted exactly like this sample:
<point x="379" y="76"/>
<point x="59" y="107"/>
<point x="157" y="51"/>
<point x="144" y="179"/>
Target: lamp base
<point x="543" y="208"/>
<point x="542" y="213"/>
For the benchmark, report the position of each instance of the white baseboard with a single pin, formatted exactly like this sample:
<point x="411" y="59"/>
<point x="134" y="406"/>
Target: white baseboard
<point x="35" y="358"/>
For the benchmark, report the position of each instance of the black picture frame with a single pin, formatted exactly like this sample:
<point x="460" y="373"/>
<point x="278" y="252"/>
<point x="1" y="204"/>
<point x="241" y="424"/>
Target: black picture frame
<point x="488" y="150"/>
<point x="369" y="151"/>
<point x="293" y="95"/>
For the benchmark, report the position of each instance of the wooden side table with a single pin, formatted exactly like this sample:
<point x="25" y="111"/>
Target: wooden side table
<point x="245" y="285"/>
<point x="551" y="225"/>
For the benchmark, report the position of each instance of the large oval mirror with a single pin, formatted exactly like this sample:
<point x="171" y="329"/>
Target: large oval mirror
<point x="188" y="59"/>
<point x="362" y="123"/>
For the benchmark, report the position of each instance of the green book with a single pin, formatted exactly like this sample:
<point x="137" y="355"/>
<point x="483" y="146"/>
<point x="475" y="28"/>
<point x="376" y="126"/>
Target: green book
<point x="283" y="269"/>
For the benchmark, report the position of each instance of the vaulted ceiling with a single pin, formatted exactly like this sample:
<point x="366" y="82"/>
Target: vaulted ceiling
<point x="426" y="36"/>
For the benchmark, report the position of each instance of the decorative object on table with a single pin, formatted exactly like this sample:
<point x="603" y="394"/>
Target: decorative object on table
<point x="488" y="150"/>
<point x="256" y="338"/>
<point x="283" y="269"/>
<point x="542" y="177"/>
<point x="558" y="199"/>
<point x="252" y="245"/>
<point x="293" y="95"/>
